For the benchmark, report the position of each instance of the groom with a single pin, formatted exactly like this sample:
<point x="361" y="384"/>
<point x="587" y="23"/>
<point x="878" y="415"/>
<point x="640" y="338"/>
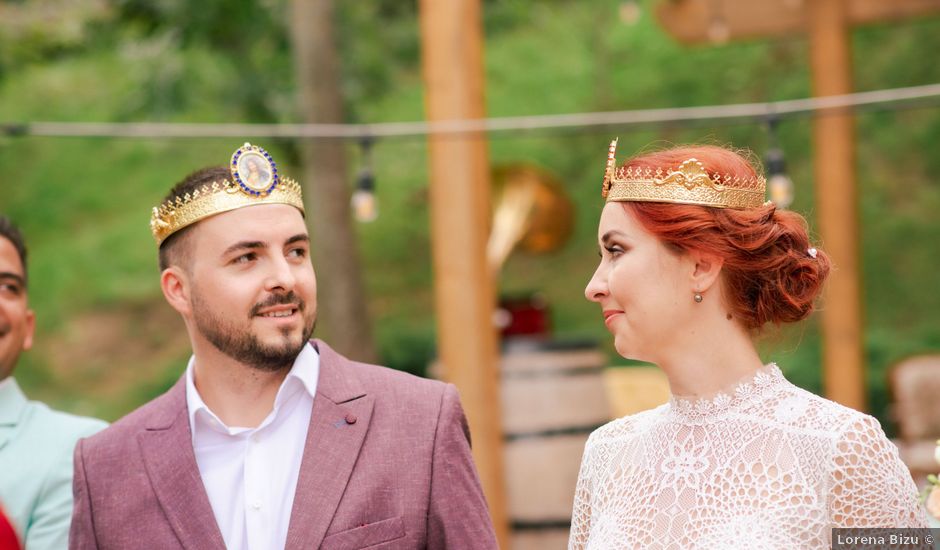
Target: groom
<point x="270" y="440"/>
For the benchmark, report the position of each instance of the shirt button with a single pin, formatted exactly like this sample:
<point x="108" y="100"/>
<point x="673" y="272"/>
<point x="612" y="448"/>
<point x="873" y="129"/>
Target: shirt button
<point x="256" y="505"/>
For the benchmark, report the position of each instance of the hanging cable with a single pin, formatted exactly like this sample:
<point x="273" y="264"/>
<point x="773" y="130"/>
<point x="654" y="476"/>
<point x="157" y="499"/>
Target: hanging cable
<point x="896" y="98"/>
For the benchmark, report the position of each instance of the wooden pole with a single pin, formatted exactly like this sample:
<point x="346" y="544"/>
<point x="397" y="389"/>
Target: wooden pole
<point x="452" y="58"/>
<point x="837" y="204"/>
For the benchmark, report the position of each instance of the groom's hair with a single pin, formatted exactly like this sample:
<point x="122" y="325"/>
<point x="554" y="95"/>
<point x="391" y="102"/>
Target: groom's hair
<point x="176" y="249"/>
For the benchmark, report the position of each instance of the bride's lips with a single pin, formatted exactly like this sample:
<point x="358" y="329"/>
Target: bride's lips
<point x="609" y="314"/>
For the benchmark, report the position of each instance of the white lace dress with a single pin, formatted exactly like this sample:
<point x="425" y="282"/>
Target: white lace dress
<point x="766" y="465"/>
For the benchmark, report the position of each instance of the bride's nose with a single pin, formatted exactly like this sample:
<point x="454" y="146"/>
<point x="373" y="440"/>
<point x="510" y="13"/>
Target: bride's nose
<point x="596" y="288"/>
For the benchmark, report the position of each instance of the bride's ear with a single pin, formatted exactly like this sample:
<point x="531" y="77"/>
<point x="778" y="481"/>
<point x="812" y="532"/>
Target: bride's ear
<point x="705" y="270"/>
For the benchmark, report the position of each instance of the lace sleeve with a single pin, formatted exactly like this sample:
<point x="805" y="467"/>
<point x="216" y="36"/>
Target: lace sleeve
<point x="870" y="486"/>
<point x="581" y="513"/>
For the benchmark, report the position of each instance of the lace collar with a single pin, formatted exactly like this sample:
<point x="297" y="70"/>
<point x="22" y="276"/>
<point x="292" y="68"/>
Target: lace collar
<point x="767" y="377"/>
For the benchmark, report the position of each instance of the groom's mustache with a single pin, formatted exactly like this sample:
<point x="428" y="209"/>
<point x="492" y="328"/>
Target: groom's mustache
<point x="290" y="298"/>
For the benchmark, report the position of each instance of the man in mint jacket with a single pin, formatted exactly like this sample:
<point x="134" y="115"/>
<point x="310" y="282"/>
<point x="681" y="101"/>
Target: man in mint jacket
<point x="36" y="443"/>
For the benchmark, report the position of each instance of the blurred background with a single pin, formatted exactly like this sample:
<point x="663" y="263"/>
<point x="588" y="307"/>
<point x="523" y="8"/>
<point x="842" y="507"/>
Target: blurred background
<point x="107" y="342"/>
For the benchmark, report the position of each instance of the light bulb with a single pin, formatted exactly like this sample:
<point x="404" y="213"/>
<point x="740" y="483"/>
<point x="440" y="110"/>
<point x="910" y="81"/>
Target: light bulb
<point x="718" y="30"/>
<point x="781" y="190"/>
<point x="502" y="318"/>
<point x="629" y="12"/>
<point x="365" y="206"/>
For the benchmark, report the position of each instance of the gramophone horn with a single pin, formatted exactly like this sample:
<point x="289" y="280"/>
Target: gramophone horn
<point x="531" y="211"/>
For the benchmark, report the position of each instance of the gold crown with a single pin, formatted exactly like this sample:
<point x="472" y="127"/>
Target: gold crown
<point x="690" y="183"/>
<point x="254" y="181"/>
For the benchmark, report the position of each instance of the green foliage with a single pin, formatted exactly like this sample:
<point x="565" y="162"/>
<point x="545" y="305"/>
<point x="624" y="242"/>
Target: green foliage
<point x="84" y="203"/>
<point x="35" y="32"/>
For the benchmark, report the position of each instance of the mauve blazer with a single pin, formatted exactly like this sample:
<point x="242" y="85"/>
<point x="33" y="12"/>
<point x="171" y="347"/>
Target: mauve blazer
<point x="386" y="465"/>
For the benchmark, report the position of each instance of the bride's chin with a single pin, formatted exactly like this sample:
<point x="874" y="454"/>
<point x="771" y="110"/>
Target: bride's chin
<point x="623" y="349"/>
<point x="630" y="350"/>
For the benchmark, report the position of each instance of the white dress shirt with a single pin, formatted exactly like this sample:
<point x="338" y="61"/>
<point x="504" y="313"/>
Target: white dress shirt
<point x="250" y="474"/>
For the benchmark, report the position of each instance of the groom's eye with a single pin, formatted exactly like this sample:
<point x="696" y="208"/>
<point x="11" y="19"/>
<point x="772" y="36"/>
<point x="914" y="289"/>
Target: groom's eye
<point x="245" y="258"/>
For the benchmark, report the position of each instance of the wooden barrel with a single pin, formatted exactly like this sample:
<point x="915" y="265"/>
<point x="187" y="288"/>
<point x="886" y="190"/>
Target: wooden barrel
<point x="552" y="400"/>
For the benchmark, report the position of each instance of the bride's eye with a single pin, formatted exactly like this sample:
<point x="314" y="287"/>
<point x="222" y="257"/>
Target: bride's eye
<point x="615" y="250"/>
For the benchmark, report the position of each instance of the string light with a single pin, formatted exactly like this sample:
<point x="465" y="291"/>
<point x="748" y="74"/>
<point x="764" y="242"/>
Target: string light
<point x="718" y="30"/>
<point x="364" y="203"/>
<point x="630" y="12"/>
<point x="781" y="186"/>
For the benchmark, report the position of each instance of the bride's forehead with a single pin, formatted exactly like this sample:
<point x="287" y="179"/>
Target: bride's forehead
<point x="615" y="216"/>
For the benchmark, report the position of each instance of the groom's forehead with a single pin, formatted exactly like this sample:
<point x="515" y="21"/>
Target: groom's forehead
<point x="269" y="224"/>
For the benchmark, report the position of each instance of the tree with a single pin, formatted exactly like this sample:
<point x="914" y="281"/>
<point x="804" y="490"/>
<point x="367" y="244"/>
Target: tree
<point x="317" y="64"/>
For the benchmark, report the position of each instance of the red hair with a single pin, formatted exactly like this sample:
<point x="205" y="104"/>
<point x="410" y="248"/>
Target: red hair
<point x="768" y="274"/>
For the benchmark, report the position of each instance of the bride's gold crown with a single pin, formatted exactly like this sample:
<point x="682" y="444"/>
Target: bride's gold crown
<point x="255" y="180"/>
<point x="689" y="183"/>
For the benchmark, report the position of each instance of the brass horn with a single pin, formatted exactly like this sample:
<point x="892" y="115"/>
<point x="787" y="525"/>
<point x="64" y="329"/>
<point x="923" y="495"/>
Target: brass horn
<point x="531" y="211"/>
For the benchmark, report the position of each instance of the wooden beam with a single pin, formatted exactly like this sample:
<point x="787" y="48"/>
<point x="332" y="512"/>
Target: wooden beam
<point x="837" y="204"/>
<point x="452" y="59"/>
<point x="689" y="20"/>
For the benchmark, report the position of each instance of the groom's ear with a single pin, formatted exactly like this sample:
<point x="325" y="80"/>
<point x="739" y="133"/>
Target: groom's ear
<point x="174" y="282"/>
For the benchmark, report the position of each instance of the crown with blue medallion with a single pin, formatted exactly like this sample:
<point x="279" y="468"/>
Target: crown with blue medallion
<point x="255" y="180"/>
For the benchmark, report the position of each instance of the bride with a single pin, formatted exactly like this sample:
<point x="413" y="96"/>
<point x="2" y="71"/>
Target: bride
<point x="693" y="265"/>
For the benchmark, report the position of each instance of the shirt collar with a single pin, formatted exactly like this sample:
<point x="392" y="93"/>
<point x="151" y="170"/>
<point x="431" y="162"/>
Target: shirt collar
<point x="303" y="376"/>
<point x="12" y="401"/>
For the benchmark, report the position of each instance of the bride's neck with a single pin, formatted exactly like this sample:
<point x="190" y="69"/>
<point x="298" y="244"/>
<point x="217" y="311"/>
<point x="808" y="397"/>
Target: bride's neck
<point x="709" y="362"/>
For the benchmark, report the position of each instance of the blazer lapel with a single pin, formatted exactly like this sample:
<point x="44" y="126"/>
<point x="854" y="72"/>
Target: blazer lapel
<point x="338" y="426"/>
<point x="167" y="448"/>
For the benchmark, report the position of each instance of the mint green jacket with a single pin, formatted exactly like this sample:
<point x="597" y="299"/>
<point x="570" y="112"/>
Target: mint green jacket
<point x="36" y="446"/>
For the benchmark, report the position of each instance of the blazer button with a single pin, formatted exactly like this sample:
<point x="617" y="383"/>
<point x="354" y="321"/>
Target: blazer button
<point x="351" y="418"/>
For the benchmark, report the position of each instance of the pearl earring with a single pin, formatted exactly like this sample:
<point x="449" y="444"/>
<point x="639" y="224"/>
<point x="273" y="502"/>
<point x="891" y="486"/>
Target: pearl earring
<point x="697" y="298"/>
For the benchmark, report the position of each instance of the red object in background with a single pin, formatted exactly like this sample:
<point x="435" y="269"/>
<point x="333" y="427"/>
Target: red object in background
<point x="8" y="540"/>
<point x="524" y="316"/>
